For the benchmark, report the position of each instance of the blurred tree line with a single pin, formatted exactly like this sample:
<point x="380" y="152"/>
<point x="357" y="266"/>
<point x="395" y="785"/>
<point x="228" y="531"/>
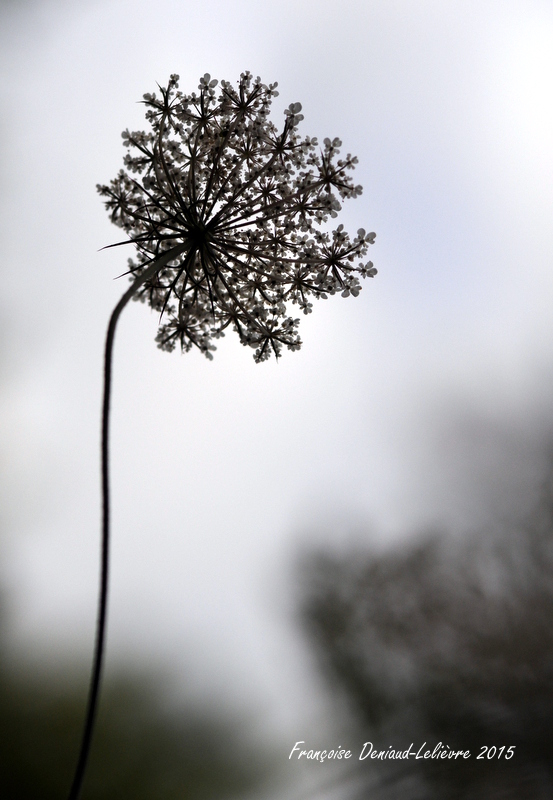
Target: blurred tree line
<point x="143" y="749"/>
<point x="447" y="641"/>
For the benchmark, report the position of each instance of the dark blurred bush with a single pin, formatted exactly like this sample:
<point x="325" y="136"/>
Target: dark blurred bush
<point x="444" y="641"/>
<point x="142" y="749"/>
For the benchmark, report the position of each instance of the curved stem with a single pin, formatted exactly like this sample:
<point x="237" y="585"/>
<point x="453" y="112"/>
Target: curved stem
<point x="99" y="646"/>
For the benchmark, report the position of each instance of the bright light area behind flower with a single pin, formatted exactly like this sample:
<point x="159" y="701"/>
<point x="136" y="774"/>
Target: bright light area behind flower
<point x="422" y="400"/>
<point x="524" y="78"/>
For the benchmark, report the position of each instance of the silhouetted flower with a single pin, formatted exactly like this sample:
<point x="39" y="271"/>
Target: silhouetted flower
<point x="239" y="205"/>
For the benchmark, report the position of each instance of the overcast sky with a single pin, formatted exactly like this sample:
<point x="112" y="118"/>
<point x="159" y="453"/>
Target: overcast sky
<point x="421" y="402"/>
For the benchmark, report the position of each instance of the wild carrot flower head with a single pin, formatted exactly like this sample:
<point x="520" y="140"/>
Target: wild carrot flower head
<point x="241" y="205"/>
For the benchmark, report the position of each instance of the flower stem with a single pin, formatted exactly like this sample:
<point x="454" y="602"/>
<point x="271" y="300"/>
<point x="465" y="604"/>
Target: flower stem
<point x="99" y="646"/>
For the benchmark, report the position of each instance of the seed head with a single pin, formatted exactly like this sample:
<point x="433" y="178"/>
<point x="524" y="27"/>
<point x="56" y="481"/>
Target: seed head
<point x="243" y="207"/>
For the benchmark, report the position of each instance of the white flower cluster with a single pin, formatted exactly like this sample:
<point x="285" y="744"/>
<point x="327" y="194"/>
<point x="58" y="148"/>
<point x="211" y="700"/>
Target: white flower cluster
<point x="240" y="204"/>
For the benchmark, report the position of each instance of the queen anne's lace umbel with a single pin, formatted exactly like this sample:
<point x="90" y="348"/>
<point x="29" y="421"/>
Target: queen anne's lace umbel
<point x="240" y="206"/>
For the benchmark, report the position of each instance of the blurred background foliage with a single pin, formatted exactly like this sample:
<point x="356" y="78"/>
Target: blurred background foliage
<point x="144" y="747"/>
<point x="444" y="640"/>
